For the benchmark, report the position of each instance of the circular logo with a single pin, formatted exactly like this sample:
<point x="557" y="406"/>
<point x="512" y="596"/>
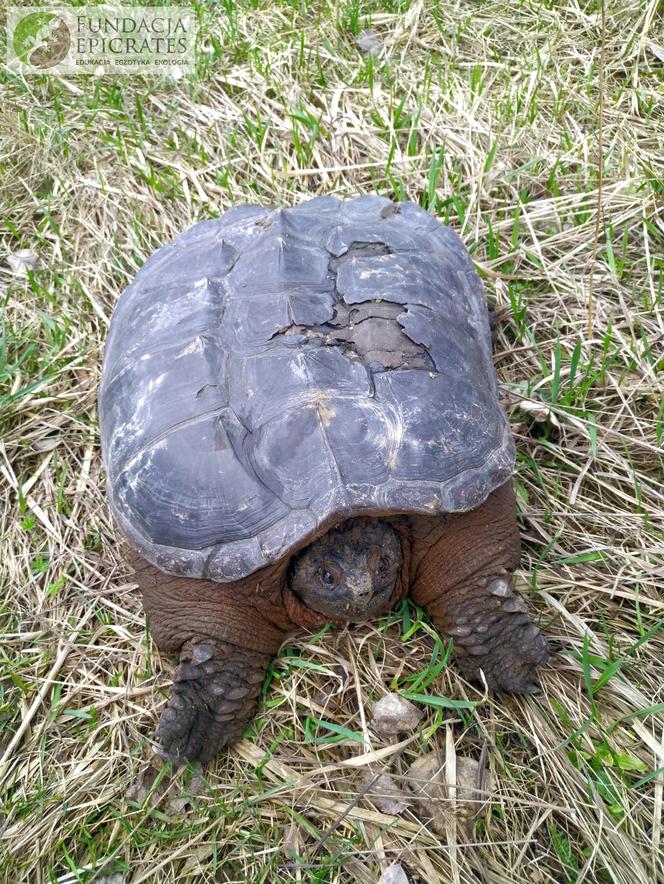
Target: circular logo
<point x="41" y="39"/>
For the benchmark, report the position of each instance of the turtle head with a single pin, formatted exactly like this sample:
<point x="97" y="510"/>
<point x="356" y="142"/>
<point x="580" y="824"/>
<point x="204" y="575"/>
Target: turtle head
<point x="350" y="572"/>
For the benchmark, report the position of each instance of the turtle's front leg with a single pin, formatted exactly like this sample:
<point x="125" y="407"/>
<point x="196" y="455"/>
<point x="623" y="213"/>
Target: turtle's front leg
<point x="226" y="635"/>
<point x="464" y="579"/>
<point x="492" y="633"/>
<point x="214" y="694"/>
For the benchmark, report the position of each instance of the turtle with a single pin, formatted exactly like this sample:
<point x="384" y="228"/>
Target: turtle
<point x="300" y="425"/>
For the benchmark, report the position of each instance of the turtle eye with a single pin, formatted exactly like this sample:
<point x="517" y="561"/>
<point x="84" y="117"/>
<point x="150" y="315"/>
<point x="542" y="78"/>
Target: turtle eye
<point x="383" y="565"/>
<point x="327" y="577"/>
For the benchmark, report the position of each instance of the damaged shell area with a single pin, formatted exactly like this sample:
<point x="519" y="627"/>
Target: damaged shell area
<point x="274" y="370"/>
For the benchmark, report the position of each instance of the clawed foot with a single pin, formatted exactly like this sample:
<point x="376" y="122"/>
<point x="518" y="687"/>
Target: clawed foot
<point x="512" y="667"/>
<point x="214" y="694"/>
<point x="495" y="637"/>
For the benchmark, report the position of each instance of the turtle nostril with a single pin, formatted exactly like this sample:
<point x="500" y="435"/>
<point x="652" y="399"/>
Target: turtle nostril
<point x="362" y="592"/>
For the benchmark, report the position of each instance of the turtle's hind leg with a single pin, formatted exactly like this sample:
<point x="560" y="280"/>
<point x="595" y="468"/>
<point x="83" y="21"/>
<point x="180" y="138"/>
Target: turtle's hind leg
<point x="464" y="578"/>
<point x="226" y="635"/>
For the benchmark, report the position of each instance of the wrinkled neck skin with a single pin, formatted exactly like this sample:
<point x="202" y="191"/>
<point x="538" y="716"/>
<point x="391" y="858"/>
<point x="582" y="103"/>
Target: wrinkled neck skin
<point x="349" y="574"/>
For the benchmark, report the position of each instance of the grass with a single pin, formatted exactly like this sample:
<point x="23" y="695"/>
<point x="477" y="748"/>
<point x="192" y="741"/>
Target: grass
<point x="486" y="114"/>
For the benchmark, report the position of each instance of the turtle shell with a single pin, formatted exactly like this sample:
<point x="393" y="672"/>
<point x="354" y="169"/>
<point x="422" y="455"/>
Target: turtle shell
<point x="275" y="371"/>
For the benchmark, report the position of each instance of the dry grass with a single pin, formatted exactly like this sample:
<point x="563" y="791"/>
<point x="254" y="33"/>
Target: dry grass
<point x="487" y="115"/>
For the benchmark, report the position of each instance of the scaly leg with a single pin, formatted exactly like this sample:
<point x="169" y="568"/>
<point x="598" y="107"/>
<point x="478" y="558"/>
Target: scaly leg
<point x="226" y="636"/>
<point x="464" y="578"/>
<point x="214" y="695"/>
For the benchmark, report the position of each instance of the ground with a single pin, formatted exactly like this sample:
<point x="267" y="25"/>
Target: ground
<point x="497" y="118"/>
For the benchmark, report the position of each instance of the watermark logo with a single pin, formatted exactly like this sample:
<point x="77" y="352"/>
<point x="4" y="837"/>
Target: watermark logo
<point x="101" y="39"/>
<point x="41" y="39"/>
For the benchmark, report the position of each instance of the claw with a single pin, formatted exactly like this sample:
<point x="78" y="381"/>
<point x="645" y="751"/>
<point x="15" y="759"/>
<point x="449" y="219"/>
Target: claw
<point x="531" y="632"/>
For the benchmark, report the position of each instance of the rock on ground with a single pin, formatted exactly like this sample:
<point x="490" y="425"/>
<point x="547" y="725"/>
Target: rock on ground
<point x="393" y="715"/>
<point x="393" y="875"/>
<point x="385" y="794"/>
<point x="428" y="781"/>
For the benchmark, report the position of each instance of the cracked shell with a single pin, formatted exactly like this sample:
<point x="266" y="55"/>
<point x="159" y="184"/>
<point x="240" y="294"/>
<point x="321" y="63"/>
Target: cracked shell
<point x="274" y="371"/>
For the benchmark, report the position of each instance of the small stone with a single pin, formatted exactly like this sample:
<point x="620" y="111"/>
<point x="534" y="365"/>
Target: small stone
<point x="393" y="715"/>
<point x="393" y="875"/>
<point x="473" y="789"/>
<point x="426" y="781"/>
<point x="369" y="42"/>
<point x="193" y="789"/>
<point x="539" y="411"/>
<point x="384" y="793"/>
<point x="434" y="795"/>
<point x="47" y="443"/>
<point x="144" y="787"/>
<point x="22" y="261"/>
<point x="657" y="51"/>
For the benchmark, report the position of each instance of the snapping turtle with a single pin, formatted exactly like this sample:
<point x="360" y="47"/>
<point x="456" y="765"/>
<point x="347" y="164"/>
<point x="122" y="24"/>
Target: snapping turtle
<point x="300" y="424"/>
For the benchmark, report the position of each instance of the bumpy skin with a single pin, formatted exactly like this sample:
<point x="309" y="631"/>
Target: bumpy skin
<point x="458" y="566"/>
<point x="214" y="694"/>
<point x="226" y="636"/>
<point x="463" y="576"/>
